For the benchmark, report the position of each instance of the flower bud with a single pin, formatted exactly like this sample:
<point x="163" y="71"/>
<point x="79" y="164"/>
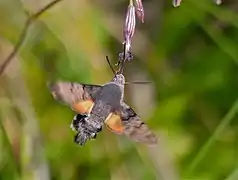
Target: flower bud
<point x="126" y="54"/>
<point x="139" y="10"/>
<point x="130" y="23"/>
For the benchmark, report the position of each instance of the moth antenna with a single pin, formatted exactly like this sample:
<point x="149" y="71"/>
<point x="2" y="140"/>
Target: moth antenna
<point x="138" y="82"/>
<point x="109" y="63"/>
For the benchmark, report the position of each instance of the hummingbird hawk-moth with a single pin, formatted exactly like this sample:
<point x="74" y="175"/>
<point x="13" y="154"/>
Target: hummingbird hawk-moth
<point x="97" y="105"/>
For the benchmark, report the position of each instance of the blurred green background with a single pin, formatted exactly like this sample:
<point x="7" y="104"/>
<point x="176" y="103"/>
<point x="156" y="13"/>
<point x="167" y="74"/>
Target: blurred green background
<point x="191" y="55"/>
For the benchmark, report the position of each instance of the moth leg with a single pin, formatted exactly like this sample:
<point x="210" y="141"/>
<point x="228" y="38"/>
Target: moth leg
<point x="74" y="124"/>
<point x="72" y="127"/>
<point x="90" y="109"/>
<point x="108" y="117"/>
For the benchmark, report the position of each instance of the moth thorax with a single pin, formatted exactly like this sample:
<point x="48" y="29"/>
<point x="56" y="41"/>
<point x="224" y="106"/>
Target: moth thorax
<point x="119" y="79"/>
<point x="110" y="94"/>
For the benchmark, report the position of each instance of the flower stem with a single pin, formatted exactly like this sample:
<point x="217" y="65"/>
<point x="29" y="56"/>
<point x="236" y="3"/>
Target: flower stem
<point x="131" y="3"/>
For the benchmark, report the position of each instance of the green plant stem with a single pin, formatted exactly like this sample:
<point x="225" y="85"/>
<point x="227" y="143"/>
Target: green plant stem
<point x="31" y="19"/>
<point x="233" y="175"/>
<point x="9" y="148"/>
<point x="220" y="128"/>
<point x="131" y="3"/>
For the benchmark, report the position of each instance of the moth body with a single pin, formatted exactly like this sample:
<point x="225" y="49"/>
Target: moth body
<point x="82" y="137"/>
<point x="79" y="118"/>
<point x="107" y="100"/>
<point x="97" y="105"/>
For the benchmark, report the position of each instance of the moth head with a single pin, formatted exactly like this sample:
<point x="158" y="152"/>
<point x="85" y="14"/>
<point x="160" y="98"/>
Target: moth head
<point x="119" y="79"/>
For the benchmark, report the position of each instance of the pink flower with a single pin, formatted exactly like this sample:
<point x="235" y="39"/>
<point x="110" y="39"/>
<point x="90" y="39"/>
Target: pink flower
<point x="128" y="31"/>
<point x="139" y="10"/>
<point x="130" y="24"/>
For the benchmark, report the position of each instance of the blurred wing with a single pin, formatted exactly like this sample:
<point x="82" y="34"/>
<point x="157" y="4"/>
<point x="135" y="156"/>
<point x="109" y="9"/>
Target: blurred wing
<point x="129" y="123"/>
<point x="80" y="97"/>
<point x="134" y="128"/>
